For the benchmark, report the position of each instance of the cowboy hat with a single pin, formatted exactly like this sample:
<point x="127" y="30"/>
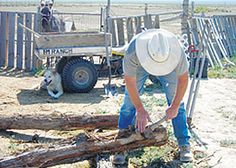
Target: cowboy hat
<point x="158" y="51"/>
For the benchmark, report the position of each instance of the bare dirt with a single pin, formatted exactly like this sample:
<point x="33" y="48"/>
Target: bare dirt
<point x="214" y="117"/>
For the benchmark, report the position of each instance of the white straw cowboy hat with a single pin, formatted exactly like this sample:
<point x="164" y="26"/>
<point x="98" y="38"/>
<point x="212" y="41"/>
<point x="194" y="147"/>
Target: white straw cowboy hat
<point x="158" y="51"/>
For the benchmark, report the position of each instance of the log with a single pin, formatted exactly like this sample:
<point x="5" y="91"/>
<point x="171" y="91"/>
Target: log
<point x="85" y="150"/>
<point x="58" y="121"/>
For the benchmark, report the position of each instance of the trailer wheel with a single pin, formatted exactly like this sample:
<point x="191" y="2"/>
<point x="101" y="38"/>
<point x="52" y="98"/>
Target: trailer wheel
<point x="79" y="76"/>
<point x="61" y="64"/>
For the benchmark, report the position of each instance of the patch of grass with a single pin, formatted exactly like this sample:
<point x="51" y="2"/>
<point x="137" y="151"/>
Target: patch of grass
<point x="228" y="72"/>
<point x="201" y="9"/>
<point x="147" y="156"/>
<point x="101" y="111"/>
<point x="228" y="143"/>
<point x="151" y="102"/>
<point x="39" y="72"/>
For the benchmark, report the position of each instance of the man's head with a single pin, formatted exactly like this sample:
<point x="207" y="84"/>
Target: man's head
<point x="158" y="51"/>
<point x="42" y="3"/>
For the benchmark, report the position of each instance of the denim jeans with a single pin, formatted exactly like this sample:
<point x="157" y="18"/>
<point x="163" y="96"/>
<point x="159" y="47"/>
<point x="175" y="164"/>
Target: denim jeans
<point x="169" y="83"/>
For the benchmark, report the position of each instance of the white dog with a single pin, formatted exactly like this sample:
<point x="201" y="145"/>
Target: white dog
<point x="52" y="80"/>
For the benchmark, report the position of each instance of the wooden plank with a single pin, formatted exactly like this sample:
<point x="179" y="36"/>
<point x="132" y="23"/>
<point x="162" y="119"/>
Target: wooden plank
<point x="120" y="30"/>
<point x="130" y="28"/>
<point x="156" y="23"/>
<point x="11" y="51"/>
<point x="28" y="54"/>
<point x="74" y="39"/>
<point x="7" y="39"/>
<point x="225" y="26"/>
<point x="113" y="31"/>
<point x="138" y="24"/>
<point x="36" y="63"/>
<point x="3" y="38"/>
<point x="148" y="21"/>
<point x="19" y="55"/>
<point x="220" y="30"/>
<point x="232" y="34"/>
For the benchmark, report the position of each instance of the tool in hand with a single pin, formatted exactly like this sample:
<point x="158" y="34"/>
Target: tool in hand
<point x="148" y="132"/>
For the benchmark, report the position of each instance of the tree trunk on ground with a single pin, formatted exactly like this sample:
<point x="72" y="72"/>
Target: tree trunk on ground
<point x="85" y="150"/>
<point x="57" y="121"/>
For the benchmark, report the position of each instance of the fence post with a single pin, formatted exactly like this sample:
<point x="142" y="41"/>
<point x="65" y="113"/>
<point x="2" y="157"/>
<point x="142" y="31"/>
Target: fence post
<point x="36" y="63"/>
<point x="184" y="19"/>
<point x="11" y="34"/>
<point x="3" y="38"/>
<point x="120" y="27"/>
<point x="28" y="54"/>
<point x="19" y="54"/>
<point x="2" y="34"/>
<point x="130" y="28"/>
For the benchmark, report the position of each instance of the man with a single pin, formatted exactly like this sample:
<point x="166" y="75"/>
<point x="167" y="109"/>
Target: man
<point x="156" y="52"/>
<point x="46" y="17"/>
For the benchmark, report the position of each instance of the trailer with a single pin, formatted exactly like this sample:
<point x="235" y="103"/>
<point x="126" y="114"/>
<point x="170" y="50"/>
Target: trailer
<point x="82" y="57"/>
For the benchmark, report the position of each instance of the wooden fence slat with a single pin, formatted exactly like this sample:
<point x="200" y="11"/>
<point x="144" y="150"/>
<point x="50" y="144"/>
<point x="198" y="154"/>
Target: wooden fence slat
<point x="148" y="21"/>
<point x="130" y="28"/>
<point x="3" y="38"/>
<point x="112" y="30"/>
<point x="35" y="62"/>
<point x="120" y="30"/>
<point x="156" y="23"/>
<point x="11" y="51"/>
<point x="19" y="55"/>
<point x="232" y="34"/>
<point x="28" y="55"/>
<point x="138" y="24"/>
<point x="217" y="22"/>
<point x="225" y="26"/>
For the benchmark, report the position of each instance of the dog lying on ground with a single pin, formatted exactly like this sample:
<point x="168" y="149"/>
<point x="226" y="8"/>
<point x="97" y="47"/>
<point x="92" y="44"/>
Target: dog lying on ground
<point x="52" y="80"/>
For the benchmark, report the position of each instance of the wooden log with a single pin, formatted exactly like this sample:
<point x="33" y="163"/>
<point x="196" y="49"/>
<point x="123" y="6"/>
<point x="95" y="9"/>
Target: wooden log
<point x="84" y="151"/>
<point x="57" y="121"/>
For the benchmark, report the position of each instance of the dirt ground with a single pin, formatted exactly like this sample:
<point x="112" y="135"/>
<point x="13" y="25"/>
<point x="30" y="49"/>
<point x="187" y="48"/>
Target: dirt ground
<point x="214" y="117"/>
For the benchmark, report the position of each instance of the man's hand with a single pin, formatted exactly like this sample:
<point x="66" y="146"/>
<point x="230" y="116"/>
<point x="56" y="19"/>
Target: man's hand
<point x="142" y="118"/>
<point x="171" y="112"/>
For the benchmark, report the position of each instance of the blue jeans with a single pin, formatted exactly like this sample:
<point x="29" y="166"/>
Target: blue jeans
<point x="168" y="82"/>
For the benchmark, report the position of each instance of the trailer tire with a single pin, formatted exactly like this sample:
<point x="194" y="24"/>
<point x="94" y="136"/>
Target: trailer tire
<point x="79" y="76"/>
<point x="61" y="64"/>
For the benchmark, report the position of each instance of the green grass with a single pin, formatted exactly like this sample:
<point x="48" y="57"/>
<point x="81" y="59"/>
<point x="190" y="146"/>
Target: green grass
<point x="39" y="72"/>
<point x="229" y="71"/>
<point x="149" y="156"/>
<point x="201" y="9"/>
<point x="228" y="143"/>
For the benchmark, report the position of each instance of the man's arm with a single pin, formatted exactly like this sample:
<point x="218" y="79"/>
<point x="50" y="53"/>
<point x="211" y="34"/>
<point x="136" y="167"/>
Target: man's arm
<point x="142" y="115"/>
<point x="182" y="84"/>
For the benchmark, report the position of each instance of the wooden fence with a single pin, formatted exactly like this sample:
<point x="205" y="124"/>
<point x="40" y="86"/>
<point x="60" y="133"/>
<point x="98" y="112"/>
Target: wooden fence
<point x="124" y="28"/>
<point x="218" y="35"/>
<point x="16" y="45"/>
